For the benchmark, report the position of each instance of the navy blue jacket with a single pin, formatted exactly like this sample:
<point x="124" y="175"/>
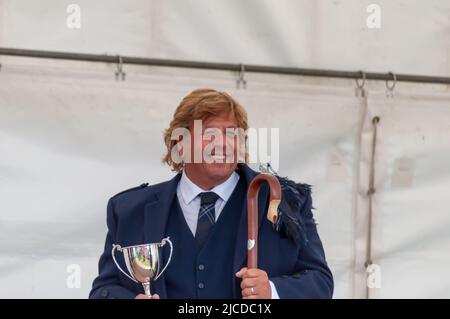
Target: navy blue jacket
<point x="292" y="254"/>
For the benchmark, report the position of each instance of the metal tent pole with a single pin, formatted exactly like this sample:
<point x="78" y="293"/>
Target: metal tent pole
<point x="222" y="66"/>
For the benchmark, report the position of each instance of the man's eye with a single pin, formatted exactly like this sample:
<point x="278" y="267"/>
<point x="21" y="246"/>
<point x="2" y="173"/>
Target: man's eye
<point x="207" y="134"/>
<point x="230" y="133"/>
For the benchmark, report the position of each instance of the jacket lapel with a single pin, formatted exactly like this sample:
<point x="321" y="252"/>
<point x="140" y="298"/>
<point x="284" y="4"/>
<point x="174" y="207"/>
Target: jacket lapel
<point x="156" y="215"/>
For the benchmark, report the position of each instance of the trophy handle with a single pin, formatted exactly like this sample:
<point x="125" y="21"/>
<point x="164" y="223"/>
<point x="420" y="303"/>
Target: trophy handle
<point x="163" y="242"/>
<point x="119" y="248"/>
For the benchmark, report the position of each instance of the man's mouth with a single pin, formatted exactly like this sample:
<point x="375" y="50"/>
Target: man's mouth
<point x="218" y="158"/>
<point x="215" y="158"/>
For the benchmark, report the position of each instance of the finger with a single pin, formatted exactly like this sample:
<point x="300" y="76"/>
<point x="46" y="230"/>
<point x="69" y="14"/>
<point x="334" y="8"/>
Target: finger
<point x="254" y="272"/>
<point x="156" y="296"/>
<point x="248" y="283"/>
<point x="254" y="297"/>
<point x="240" y="273"/>
<point x="142" y="296"/>
<point x="246" y="292"/>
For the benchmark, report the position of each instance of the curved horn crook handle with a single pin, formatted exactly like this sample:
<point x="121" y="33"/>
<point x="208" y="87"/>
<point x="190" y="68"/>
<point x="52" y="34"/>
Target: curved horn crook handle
<point x="252" y="207"/>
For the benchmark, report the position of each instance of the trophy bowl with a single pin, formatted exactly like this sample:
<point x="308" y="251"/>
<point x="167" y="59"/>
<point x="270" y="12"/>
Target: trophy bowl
<point x="143" y="262"/>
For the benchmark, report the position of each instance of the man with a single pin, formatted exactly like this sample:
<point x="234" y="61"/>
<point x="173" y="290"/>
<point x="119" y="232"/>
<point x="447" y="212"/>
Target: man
<point x="204" y="211"/>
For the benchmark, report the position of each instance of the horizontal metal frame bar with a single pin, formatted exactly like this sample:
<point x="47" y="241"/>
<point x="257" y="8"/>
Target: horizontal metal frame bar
<point x="223" y="66"/>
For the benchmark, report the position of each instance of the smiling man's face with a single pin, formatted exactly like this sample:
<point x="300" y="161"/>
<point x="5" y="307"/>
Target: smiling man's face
<point x="217" y="163"/>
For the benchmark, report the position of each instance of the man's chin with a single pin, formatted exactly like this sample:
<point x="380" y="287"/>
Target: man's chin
<point x="219" y="170"/>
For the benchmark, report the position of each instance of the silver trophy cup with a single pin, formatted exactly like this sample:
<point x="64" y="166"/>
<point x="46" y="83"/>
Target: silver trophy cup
<point x="143" y="262"/>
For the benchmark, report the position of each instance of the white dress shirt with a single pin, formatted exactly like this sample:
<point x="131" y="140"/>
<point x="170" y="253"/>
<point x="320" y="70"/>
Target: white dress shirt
<point x="187" y="193"/>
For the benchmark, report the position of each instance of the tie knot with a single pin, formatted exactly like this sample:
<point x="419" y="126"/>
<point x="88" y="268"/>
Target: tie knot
<point x="208" y="198"/>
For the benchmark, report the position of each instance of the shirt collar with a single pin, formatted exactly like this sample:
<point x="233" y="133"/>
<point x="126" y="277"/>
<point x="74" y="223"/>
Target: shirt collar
<point x="189" y="190"/>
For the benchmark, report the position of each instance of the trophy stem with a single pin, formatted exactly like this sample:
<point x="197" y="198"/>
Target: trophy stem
<point x="146" y="286"/>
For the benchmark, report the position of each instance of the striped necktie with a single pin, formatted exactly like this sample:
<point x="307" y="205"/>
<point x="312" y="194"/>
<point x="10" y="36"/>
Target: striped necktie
<point x="206" y="217"/>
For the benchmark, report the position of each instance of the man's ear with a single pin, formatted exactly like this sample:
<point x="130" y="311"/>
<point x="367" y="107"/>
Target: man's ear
<point x="180" y="148"/>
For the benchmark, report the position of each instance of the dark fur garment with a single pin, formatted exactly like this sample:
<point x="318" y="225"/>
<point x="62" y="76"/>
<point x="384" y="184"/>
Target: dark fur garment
<point x="290" y="221"/>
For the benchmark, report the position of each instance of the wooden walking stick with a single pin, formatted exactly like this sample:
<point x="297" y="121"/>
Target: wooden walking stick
<point x="272" y="213"/>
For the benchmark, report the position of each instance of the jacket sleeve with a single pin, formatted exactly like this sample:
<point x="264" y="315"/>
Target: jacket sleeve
<point x="107" y="284"/>
<point x="311" y="278"/>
